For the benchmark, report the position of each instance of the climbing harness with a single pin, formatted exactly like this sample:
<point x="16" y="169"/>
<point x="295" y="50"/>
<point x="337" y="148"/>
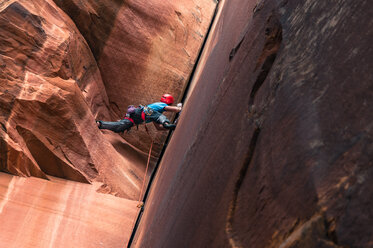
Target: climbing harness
<point x="136" y="115"/>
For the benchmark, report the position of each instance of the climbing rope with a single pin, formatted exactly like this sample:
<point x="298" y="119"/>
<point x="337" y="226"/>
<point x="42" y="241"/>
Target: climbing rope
<point x="140" y="203"/>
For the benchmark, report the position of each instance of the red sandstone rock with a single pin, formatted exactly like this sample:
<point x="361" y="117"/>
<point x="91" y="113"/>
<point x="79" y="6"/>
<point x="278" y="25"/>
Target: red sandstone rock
<point x="51" y="90"/>
<point x="289" y="167"/>
<point x="143" y="49"/>
<point x="274" y="145"/>
<point x="61" y="213"/>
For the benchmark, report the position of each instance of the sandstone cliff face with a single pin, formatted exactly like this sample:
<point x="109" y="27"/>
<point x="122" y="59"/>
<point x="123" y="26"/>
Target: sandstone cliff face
<point x="52" y="89"/>
<point x="143" y="49"/>
<point x="274" y="145"/>
<point x="273" y="148"/>
<point x="38" y="83"/>
<point x="64" y="64"/>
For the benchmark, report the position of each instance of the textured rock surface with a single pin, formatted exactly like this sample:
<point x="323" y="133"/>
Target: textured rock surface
<point x="143" y="49"/>
<point x="273" y="149"/>
<point x="274" y="146"/>
<point x="59" y="213"/>
<point x="50" y="91"/>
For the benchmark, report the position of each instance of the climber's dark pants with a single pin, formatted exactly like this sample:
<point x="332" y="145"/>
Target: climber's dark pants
<point x="116" y="126"/>
<point x="124" y="124"/>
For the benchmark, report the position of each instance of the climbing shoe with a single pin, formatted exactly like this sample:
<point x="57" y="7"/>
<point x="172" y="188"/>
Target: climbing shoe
<point x="169" y="126"/>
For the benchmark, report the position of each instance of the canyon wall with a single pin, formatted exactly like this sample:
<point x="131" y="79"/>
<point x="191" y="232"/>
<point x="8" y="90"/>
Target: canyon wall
<point x="64" y="64"/>
<point x="274" y="145"/>
<point x="143" y="50"/>
<point x="51" y="89"/>
<point x="62" y="70"/>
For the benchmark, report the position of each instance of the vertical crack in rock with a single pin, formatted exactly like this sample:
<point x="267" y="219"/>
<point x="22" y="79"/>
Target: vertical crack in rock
<point x="330" y="226"/>
<point x="241" y="38"/>
<point x="273" y="36"/>
<point x="273" y="39"/>
<point x="235" y="49"/>
<point x="3" y="149"/>
<point x="3" y="127"/>
<point x="3" y="155"/>
<point x="233" y="204"/>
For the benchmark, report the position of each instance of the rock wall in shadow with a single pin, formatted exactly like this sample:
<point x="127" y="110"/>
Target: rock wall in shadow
<point x="274" y="145"/>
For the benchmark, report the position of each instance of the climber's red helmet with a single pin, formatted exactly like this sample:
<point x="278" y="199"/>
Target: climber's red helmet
<point x="167" y="99"/>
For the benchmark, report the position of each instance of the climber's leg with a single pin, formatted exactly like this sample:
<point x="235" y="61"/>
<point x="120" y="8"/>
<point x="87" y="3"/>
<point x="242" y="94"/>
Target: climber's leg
<point x="162" y="119"/>
<point x="117" y="126"/>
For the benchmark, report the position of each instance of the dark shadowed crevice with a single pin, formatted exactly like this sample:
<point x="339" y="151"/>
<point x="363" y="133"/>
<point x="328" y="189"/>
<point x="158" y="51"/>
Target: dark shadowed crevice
<point x="235" y="49"/>
<point x="49" y="162"/>
<point x="3" y="150"/>
<point x="273" y="36"/>
<point x="3" y="155"/>
<point x="262" y="76"/>
<point x="331" y="234"/>
<point x="241" y="176"/>
<point x="3" y="127"/>
<point x="241" y="39"/>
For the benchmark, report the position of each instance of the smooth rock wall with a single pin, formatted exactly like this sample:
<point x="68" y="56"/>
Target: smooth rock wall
<point x="61" y="213"/>
<point x="274" y="145"/>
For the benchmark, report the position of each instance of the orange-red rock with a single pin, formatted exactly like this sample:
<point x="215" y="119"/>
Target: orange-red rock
<point x="143" y="49"/>
<point x="52" y="88"/>
<point x="274" y="145"/>
<point x="273" y="148"/>
<point x="61" y="213"/>
<point x="51" y="91"/>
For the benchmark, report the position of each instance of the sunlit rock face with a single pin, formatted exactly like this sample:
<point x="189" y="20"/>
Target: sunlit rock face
<point x="143" y="49"/>
<point x="61" y="213"/>
<point x="64" y="64"/>
<point x="50" y="93"/>
<point x="51" y="88"/>
<point x="274" y="145"/>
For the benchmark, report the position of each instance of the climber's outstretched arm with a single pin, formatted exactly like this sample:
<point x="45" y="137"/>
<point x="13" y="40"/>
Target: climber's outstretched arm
<point x="172" y="109"/>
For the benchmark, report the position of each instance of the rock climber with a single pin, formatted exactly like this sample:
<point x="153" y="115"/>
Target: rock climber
<point x="150" y="113"/>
